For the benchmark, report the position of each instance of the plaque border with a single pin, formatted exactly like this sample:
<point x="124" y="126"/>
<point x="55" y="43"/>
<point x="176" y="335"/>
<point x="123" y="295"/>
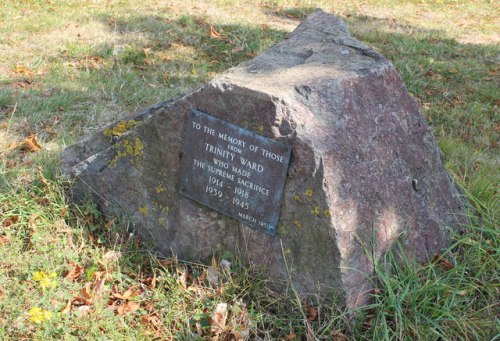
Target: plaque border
<point x="273" y="231"/>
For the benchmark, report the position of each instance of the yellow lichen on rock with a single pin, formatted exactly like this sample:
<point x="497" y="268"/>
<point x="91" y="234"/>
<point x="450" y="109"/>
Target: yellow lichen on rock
<point x="120" y="128"/>
<point x="128" y="148"/>
<point x="309" y="193"/>
<point x="159" y="189"/>
<point x="282" y="230"/>
<point x="316" y="210"/>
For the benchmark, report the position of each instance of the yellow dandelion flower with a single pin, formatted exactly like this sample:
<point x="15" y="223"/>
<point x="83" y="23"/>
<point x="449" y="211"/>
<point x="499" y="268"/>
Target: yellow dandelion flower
<point x="39" y="275"/>
<point x="48" y="283"/>
<point x="38" y="315"/>
<point x="45" y="280"/>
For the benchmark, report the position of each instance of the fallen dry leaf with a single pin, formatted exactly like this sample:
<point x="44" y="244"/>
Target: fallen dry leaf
<point x="444" y="263"/>
<point x="313" y="313"/>
<point x="126" y="295"/>
<point x="4" y="240"/>
<point x="153" y="321"/>
<point x="11" y="220"/>
<point x="182" y="279"/>
<point x="110" y="257"/>
<point x="291" y="16"/>
<point x="237" y="336"/>
<point x="79" y="301"/>
<point x="127" y="308"/>
<point x="213" y="276"/>
<point x="75" y="272"/>
<point x="30" y="143"/>
<point x="151" y="282"/>
<point x="99" y="286"/>
<point x="237" y="49"/>
<point x="20" y="69"/>
<point x="2" y="293"/>
<point x="290" y="337"/>
<point x="218" y="318"/>
<point x="97" y="275"/>
<point x="338" y="336"/>
<point x="86" y="293"/>
<point x="67" y="308"/>
<point x="214" y="33"/>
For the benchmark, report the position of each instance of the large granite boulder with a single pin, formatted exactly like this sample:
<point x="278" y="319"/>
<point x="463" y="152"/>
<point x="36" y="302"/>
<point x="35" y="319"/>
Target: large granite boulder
<point x="365" y="171"/>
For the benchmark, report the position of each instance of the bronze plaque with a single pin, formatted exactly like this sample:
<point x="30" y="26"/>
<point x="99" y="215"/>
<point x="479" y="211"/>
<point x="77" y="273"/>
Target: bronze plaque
<point x="234" y="171"/>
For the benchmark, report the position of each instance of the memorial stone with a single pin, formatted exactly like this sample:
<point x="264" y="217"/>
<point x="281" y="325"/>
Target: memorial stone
<point x="364" y="173"/>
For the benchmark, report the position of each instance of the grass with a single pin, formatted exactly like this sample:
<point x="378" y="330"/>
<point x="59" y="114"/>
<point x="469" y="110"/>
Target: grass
<point x="67" y="68"/>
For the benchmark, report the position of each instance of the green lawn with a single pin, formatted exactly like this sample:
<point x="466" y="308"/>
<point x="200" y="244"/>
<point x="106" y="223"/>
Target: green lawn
<point x="69" y="67"/>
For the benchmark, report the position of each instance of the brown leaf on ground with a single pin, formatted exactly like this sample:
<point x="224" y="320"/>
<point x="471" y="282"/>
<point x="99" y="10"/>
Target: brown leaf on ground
<point x="67" y="308"/>
<point x="214" y="33"/>
<point x="110" y="258"/>
<point x="213" y="276"/>
<point x="237" y="49"/>
<point x="237" y="336"/>
<point x="79" y="301"/>
<point x="168" y="263"/>
<point x="99" y="286"/>
<point x="444" y="263"/>
<point x="11" y="220"/>
<point x="75" y="272"/>
<point x="2" y="293"/>
<point x="4" y="240"/>
<point x="218" y="318"/>
<point x="182" y="278"/>
<point x="128" y="307"/>
<point x="22" y="70"/>
<point x="125" y="296"/>
<point x="153" y="321"/>
<point x="112" y="306"/>
<point x="30" y="143"/>
<point x="290" y="337"/>
<point x="151" y="282"/>
<point x="292" y="16"/>
<point x="97" y="275"/>
<point x="338" y="336"/>
<point x="313" y="313"/>
<point x="86" y="293"/>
